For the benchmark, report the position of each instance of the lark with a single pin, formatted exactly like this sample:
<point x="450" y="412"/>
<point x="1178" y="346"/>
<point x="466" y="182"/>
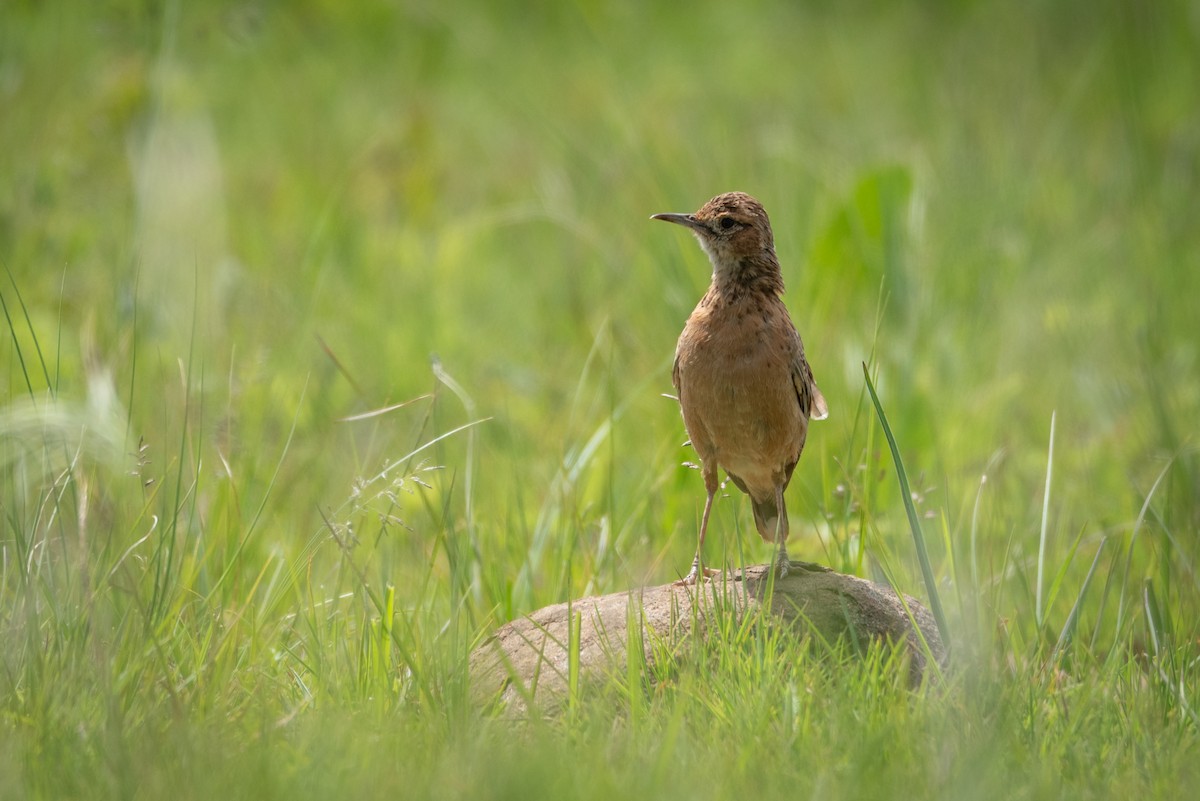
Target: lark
<point x="744" y="386"/>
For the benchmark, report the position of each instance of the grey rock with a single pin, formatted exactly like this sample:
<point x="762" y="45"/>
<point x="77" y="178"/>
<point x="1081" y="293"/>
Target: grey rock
<point x="527" y="660"/>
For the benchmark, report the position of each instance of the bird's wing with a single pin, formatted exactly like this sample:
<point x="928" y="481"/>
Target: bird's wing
<point x="820" y="409"/>
<point x="810" y="397"/>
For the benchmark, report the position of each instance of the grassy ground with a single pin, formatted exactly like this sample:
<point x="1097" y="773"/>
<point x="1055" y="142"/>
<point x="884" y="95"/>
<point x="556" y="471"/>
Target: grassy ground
<point x="226" y="228"/>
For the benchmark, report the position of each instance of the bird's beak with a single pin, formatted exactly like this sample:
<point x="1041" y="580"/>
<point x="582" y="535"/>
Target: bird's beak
<point x="686" y="220"/>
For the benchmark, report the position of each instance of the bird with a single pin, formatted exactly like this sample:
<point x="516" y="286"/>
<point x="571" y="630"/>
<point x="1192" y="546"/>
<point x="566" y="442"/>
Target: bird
<point x="745" y="388"/>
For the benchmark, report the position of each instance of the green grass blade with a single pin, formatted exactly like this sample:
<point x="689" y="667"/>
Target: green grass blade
<point x="16" y="346"/>
<point x="37" y="345"/>
<point x="1156" y="621"/>
<point x="935" y="601"/>
<point x="573" y="646"/>
<point x="1133" y="538"/>
<point x="1068" y="629"/>
<point x="1056" y="585"/>
<point x="1039" y="609"/>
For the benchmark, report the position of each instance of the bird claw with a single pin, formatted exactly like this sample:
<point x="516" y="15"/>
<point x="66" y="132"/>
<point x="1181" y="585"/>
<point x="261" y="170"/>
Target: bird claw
<point x="693" y="577"/>
<point x="784" y="567"/>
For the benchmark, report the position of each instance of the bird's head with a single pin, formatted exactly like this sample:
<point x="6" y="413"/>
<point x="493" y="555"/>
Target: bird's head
<point x="733" y="229"/>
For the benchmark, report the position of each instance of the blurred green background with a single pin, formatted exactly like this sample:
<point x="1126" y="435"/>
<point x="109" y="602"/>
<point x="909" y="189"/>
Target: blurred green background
<point x="226" y="227"/>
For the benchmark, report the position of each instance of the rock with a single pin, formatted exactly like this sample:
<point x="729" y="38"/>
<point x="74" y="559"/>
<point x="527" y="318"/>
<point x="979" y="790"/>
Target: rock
<point x="527" y="659"/>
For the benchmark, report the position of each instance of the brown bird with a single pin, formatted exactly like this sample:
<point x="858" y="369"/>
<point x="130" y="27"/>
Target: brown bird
<point x="745" y="389"/>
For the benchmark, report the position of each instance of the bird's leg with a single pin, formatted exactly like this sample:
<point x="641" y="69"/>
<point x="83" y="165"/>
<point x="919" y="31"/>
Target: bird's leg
<point x="698" y="569"/>
<point x="782" y="563"/>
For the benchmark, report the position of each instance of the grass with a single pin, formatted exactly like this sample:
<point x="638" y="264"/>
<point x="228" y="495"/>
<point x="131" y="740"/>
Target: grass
<point x="232" y="233"/>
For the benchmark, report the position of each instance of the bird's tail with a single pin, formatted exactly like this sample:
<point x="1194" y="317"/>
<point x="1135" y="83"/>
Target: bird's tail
<point x="766" y="517"/>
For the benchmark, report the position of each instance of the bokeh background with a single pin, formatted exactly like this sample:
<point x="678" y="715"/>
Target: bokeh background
<point x="229" y="230"/>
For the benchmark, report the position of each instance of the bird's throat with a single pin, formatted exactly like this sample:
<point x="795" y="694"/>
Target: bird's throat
<point x="758" y="274"/>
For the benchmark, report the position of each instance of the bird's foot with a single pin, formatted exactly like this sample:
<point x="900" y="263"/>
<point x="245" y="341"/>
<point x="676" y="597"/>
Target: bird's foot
<point x="693" y="577"/>
<point x="783" y="567"/>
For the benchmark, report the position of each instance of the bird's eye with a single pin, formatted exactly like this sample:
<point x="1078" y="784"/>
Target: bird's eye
<point x="727" y="223"/>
